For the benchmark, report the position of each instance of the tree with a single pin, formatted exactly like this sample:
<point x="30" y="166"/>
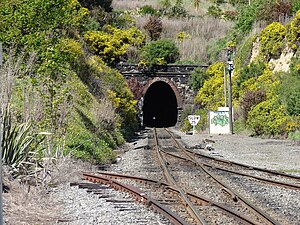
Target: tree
<point x="154" y="27"/>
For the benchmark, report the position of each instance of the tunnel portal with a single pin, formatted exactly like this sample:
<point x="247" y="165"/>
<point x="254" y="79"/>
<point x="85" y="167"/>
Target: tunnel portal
<point x="160" y="106"/>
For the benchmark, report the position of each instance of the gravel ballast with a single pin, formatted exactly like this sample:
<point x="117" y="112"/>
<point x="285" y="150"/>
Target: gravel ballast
<point x="80" y="207"/>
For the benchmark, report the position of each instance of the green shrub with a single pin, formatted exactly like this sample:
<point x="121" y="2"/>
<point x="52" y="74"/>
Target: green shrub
<point x="214" y="11"/>
<point x="295" y="6"/>
<point x="148" y="9"/>
<point x="295" y="136"/>
<point x="176" y="10"/>
<point x="89" y="146"/>
<point x="160" y="52"/>
<point x="255" y="69"/>
<point x="290" y="94"/>
<point x="198" y="77"/>
<point x="203" y="124"/>
<point x="267" y="118"/>
<point x="295" y="64"/>
<point x="243" y="54"/>
<point x="246" y="18"/>
<point x="239" y="126"/>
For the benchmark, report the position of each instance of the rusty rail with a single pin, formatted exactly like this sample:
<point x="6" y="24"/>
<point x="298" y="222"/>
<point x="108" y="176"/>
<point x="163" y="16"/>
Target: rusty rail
<point x="237" y="195"/>
<point x="194" y="212"/>
<point x="273" y="172"/>
<point x="273" y="182"/>
<point x="198" y="198"/>
<point x="138" y="195"/>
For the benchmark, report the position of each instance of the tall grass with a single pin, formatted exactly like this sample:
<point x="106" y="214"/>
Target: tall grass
<point x="202" y="30"/>
<point x="188" y="5"/>
<point x="127" y="5"/>
<point x="202" y="33"/>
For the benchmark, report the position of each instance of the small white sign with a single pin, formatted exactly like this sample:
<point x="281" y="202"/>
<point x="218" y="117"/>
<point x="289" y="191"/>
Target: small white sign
<point x="194" y="119"/>
<point x="219" y="122"/>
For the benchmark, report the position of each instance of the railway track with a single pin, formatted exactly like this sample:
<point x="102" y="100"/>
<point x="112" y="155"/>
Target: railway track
<point x="172" y="195"/>
<point x="270" y="176"/>
<point x="211" y="164"/>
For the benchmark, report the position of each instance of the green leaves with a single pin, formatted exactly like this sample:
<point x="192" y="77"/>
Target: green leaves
<point x="33" y="22"/>
<point x="211" y="94"/>
<point x="160" y="52"/>
<point x="17" y="144"/>
<point x="113" y="43"/>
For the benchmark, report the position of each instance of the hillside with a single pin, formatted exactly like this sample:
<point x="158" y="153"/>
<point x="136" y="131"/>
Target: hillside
<point x="62" y="98"/>
<point x="263" y="39"/>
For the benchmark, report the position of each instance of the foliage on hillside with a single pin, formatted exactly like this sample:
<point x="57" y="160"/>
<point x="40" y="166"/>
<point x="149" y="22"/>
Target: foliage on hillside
<point x="211" y="94"/>
<point x="69" y="92"/>
<point x="113" y="43"/>
<point x="260" y="94"/>
<point x="160" y="52"/>
<point x="254" y="81"/>
<point x="74" y="46"/>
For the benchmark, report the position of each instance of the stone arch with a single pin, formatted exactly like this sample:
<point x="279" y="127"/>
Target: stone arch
<point x="170" y="83"/>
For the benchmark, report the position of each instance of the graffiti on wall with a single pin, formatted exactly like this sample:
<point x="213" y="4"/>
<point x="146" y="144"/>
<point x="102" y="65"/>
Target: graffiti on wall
<point x="221" y="119"/>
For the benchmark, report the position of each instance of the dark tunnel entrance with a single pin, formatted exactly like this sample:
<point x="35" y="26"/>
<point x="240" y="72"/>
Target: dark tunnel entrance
<point x="160" y="106"/>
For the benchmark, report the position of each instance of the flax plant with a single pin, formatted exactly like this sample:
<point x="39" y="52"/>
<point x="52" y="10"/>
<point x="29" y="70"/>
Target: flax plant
<point x="15" y="139"/>
<point x="17" y="145"/>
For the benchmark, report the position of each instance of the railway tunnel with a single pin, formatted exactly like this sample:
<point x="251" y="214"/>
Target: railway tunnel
<point x="160" y="108"/>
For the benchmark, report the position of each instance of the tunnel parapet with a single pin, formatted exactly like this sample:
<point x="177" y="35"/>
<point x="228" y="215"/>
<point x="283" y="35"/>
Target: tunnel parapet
<point x="177" y="77"/>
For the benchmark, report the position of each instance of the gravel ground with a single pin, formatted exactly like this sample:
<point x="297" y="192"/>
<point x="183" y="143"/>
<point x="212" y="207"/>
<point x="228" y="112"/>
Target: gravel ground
<point x="282" y="155"/>
<point x="79" y="207"/>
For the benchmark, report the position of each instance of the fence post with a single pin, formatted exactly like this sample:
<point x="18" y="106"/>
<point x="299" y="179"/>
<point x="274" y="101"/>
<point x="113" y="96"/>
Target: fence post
<point x="1" y="131"/>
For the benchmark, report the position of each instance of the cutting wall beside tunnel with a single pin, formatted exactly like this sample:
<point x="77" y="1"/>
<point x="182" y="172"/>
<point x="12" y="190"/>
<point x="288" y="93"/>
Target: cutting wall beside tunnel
<point x="161" y="102"/>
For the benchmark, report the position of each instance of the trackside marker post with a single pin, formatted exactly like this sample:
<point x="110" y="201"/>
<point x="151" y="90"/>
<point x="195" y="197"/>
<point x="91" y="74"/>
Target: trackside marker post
<point x="194" y="120"/>
<point x="1" y="197"/>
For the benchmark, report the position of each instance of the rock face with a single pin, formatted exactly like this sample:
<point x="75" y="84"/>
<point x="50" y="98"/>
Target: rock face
<point x="283" y="62"/>
<point x="277" y="65"/>
<point x="255" y="50"/>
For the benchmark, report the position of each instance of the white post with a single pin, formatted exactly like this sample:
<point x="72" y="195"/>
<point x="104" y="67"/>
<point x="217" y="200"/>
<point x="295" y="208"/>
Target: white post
<point x="1" y="54"/>
<point x="1" y="131"/>
<point x="225" y="89"/>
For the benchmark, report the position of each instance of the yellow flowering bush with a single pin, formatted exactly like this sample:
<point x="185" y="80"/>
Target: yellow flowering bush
<point x="272" y="39"/>
<point x="113" y="43"/>
<point x="293" y="31"/>
<point x="211" y="95"/>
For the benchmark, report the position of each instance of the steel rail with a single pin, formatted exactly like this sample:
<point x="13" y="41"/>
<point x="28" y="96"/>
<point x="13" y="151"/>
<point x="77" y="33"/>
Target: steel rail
<point x="256" y="209"/>
<point x="139" y="195"/>
<point x="273" y="182"/>
<point x="190" y="206"/>
<point x="273" y="172"/>
<point x="198" y="198"/>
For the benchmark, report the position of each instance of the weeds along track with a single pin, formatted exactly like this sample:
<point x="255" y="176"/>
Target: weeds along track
<point x="190" y="188"/>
